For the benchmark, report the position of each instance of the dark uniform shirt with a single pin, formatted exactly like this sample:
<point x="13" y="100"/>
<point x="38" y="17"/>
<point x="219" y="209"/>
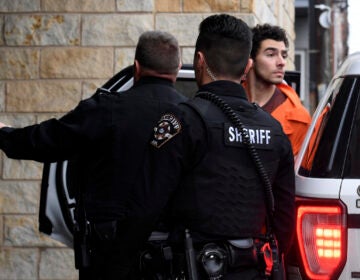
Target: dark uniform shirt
<point x="107" y="134"/>
<point x="198" y="161"/>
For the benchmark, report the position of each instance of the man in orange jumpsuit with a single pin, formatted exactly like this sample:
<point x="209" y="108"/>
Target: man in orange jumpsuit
<point x="265" y="85"/>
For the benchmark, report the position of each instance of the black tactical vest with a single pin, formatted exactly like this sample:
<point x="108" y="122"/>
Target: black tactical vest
<point x="223" y="196"/>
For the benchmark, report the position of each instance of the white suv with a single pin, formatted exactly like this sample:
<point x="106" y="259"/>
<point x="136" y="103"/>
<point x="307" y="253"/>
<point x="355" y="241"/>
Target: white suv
<point x="327" y="243"/>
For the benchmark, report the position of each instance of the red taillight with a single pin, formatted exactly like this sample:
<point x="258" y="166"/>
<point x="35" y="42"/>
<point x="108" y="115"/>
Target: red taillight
<point x="321" y="235"/>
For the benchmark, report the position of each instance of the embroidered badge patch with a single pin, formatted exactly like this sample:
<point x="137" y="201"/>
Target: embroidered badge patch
<point x="167" y="128"/>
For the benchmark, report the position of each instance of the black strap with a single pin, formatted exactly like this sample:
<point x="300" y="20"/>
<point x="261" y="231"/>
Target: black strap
<point x="234" y="118"/>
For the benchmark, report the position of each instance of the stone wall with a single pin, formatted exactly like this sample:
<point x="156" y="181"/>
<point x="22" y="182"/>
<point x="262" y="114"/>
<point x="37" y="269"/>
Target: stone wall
<point x="53" y="53"/>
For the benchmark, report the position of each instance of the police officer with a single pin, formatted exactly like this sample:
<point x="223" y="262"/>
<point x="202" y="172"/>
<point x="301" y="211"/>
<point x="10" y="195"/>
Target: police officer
<point x="107" y="134"/>
<point x="199" y="168"/>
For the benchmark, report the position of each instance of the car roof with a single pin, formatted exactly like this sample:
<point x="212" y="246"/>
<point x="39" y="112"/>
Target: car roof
<point x="350" y="66"/>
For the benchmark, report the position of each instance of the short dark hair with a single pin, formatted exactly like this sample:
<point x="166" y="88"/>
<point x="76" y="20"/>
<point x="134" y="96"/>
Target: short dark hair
<point x="226" y="43"/>
<point x="267" y="31"/>
<point x="159" y="51"/>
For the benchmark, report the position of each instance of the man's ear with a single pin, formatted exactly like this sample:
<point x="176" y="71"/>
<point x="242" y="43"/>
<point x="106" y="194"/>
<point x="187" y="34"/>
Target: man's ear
<point x="249" y="65"/>
<point x="137" y="70"/>
<point x="199" y="59"/>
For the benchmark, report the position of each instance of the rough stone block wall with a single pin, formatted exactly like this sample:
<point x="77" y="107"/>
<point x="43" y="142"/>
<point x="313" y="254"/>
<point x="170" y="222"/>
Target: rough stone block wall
<point x="53" y="53"/>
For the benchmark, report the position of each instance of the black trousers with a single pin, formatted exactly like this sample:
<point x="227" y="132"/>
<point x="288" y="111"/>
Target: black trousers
<point x="107" y="263"/>
<point x="249" y="274"/>
<point x="109" y="255"/>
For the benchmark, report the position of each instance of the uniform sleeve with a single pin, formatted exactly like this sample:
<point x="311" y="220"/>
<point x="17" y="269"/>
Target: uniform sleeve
<point x="57" y="139"/>
<point x="284" y="196"/>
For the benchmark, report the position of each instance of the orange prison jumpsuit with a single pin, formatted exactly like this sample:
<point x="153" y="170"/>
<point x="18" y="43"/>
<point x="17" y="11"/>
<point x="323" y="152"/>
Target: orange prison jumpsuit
<point x="293" y="116"/>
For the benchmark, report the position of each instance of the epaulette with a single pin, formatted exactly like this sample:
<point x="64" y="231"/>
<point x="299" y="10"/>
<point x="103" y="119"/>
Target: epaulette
<point x="256" y="106"/>
<point x="101" y="91"/>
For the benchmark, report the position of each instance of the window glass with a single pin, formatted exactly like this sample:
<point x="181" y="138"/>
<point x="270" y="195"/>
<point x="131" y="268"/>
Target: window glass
<point x="326" y="151"/>
<point x="352" y="169"/>
<point x="186" y="86"/>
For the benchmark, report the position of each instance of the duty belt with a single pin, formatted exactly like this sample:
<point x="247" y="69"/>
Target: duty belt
<point x="212" y="260"/>
<point x="219" y="258"/>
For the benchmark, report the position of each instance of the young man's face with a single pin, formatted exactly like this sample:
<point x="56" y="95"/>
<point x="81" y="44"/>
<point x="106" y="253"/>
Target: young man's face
<point x="270" y="61"/>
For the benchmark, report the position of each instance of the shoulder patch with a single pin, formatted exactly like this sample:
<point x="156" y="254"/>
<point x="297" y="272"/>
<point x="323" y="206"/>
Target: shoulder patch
<point x="167" y="127"/>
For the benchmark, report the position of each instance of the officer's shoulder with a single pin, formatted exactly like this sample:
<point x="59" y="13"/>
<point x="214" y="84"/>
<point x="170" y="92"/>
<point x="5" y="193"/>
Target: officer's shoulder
<point x="183" y="112"/>
<point x="100" y="96"/>
<point x="191" y="107"/>
<point x="197" y="103"/>
<point x="105" y="92"/>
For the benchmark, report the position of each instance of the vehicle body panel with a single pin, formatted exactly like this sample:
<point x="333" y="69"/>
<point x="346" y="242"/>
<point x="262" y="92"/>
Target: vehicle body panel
<point x="335" y="123"/>
<point x="331" y="187"/>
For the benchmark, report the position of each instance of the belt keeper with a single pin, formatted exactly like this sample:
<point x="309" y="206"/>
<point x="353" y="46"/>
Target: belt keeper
<point x="267" y="258"/>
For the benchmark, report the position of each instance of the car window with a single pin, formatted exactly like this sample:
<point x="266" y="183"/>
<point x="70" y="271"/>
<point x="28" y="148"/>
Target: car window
<point x="352" y="169"/>
<point x="186" y="86"/>
<point x="326" y="153"/>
